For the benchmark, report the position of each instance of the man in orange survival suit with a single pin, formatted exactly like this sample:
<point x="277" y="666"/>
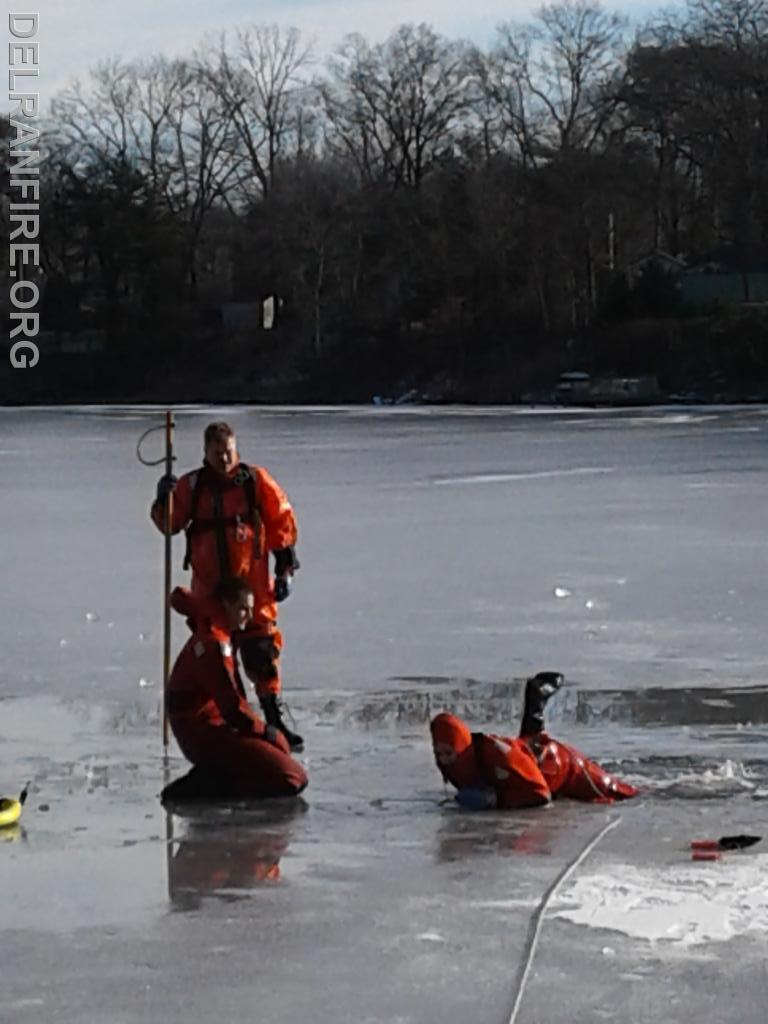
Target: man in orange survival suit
<point x="526" y="771"/>
<point x="234" y="514"/>
<point x="210" y="717"/>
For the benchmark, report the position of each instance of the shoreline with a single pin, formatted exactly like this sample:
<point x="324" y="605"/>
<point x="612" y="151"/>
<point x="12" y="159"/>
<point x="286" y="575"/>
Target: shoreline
<point x="665" y="402"/>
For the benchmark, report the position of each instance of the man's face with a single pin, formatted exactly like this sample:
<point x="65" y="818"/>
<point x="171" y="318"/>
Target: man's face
<point x="445" y="754"/>
<point x="240" y="613"/>
<point x="221" y="455"/>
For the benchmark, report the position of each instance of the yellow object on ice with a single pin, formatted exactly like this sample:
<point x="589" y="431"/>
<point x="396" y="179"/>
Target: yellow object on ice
<point x="10" y="808"/>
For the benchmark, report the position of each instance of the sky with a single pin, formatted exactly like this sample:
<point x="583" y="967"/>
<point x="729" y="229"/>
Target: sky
<point x="75" y="35"/>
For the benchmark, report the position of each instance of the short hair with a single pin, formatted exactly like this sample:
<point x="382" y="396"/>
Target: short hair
<point x="219" y="431"/>
<point x="232" y="589"/>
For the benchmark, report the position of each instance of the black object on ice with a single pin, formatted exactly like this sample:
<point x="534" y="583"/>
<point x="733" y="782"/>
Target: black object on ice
<point x="737" y="842"/>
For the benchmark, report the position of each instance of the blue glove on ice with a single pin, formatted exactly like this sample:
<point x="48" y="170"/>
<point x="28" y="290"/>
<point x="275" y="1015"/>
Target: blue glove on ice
<point x="282" y="588"/>
<point x="476" y="799"/>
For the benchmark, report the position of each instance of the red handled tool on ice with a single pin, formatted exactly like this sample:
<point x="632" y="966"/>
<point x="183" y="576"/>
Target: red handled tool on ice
<point x="710" y="849"/>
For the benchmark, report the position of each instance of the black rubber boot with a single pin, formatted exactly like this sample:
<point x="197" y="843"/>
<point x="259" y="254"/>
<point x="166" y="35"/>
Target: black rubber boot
<point x="274" y="716"/>
<point x="538" y="690"/>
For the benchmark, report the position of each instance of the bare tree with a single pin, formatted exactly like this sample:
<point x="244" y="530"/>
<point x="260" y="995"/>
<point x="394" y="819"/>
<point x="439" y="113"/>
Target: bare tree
<point x="510" y="91"/>
<point x="737" y="24"/>
<point x="491" y="121"/>
<point x="552" y="77"/>
<point x="206" y="170"/>
<point x="395" y="108"/>
<point x="165" y="120"/>
<point x="696" y="90"/>
<point x="97" y="121"/>
<point x="263" y="84"/>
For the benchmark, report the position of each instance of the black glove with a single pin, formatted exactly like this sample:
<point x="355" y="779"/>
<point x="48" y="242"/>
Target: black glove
<point x="286" y="562"/>
<point x="165" y="485"/>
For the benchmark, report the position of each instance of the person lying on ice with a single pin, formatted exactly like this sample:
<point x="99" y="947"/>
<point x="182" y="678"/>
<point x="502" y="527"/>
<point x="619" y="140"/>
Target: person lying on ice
<point x="211" y="719"/>
<point x="526" y="771"/>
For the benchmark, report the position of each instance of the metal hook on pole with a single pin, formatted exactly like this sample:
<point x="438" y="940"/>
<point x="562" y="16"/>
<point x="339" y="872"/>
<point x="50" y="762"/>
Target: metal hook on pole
<point x="140" y="442"/>
<point x="168" y="458"/>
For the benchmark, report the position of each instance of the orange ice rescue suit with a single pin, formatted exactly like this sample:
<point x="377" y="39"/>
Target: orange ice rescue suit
<point x="212" y="721"/>
<point x="525" y="771"/>
<point x="232" y="523"/>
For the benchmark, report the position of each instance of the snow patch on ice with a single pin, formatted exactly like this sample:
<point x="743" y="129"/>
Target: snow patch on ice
<point x="514" y="903"/>
<point x="500" y="478"/>
<point x="669" y="419"/>
<point x="726" y="779"/>
<point x="714" y="485"/>
<point x="683" y="904"/>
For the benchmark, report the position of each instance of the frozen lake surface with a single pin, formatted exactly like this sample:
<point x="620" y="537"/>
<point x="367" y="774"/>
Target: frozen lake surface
<point x="446" y="554"/>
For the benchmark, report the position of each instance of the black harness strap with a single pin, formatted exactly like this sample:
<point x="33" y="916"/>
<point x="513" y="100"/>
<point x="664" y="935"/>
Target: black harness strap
<point x="221" y="537"/>
<point x="254" y="513"/>
<point x="196" y="488"/>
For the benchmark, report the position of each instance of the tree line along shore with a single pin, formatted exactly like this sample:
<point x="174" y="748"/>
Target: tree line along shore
<point x="419" y="216"/>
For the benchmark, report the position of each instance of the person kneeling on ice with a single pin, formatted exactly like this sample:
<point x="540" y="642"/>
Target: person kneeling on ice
<point x="234" y="514"/>
<point x="525" y="771"/>
<point x="210" y="717"/>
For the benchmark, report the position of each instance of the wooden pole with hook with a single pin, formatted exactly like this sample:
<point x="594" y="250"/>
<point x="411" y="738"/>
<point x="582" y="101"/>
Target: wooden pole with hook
<point x="168" y="520"/>
<point x="168" y="459"/>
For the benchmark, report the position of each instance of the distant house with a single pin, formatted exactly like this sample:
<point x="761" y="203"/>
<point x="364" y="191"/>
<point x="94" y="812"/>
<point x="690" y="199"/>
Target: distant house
<point x="658" y="260"/>
<point x="642" y="390"/>
<point x="726" y="276"/>
<point x="251" y="316"/>
<point x="573" y="388"/>
<point x="241" y="316"/>
<point x="578" y="388"/>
